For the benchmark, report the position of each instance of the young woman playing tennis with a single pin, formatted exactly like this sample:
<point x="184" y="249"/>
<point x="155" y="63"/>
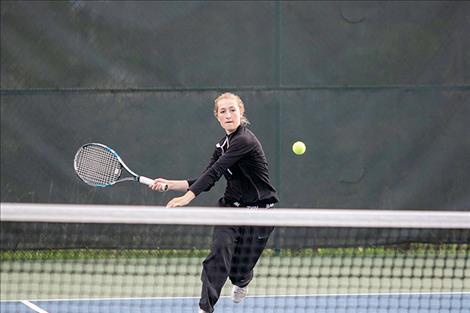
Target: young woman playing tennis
<point x="240" y="158"/>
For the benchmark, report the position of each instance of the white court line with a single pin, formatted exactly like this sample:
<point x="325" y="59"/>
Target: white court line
<point x="33" y="306"/>
<point x="320" y="295"/>
<point x="423" y="293"/>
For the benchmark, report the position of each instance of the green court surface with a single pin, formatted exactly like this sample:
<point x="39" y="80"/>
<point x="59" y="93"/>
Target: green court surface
<point x="160" y="275"/>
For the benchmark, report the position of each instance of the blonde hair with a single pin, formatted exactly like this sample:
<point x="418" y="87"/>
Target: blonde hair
<point x="228" y="95"/>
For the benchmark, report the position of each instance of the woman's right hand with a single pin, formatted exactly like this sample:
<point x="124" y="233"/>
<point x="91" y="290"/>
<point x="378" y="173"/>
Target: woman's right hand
<point x="161" y="185"/>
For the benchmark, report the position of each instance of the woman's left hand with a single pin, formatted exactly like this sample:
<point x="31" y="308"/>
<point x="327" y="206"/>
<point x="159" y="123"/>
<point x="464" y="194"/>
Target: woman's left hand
<point x="181" y="201"/>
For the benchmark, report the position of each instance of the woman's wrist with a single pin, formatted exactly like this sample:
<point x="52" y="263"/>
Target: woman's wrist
<point x="190" y="195"/>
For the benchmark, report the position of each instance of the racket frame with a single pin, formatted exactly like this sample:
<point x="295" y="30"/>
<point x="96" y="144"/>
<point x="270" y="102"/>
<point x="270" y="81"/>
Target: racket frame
<point x="134" y="177"/>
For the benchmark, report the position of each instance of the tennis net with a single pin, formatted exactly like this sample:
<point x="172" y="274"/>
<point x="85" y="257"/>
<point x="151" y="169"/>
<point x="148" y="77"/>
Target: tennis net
<point x="98" y="258"/>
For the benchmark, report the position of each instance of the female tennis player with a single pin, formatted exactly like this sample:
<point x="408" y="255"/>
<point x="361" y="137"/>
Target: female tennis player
<point x="240" y="158"/>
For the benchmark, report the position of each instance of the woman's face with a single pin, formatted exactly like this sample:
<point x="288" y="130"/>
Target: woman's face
<point x="228" y="114"/>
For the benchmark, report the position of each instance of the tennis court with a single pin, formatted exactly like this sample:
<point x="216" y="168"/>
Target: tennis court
<point x="361" y="303"/>
<point x="396" y="271"/>
<point x="342" y="124"/>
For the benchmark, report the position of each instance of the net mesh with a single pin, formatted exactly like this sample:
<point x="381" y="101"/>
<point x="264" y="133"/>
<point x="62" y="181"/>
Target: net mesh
<point x="96" y="165"/>
<point x="147" y="259"/>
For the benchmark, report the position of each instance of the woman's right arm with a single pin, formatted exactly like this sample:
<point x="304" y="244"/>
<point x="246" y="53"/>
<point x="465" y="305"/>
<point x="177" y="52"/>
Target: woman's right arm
<point x="176" y="185"/>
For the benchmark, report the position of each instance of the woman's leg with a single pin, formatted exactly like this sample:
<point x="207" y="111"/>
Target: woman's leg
<point x="247" y="251"/>
<point x="216" y="267"/>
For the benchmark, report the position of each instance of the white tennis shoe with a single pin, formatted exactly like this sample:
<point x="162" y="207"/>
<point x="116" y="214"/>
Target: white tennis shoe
<point x="202" y="311"/>
<point x="239" y="293"/>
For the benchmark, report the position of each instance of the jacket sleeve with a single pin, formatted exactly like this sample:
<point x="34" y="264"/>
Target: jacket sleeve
<point x="214" y="158"/>
<point x="239" y="147"/>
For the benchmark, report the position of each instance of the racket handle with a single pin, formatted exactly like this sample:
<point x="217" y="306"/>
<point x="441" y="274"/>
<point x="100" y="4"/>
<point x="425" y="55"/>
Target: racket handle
<point x="149" y="181"/>
<point x="145" y="180"/>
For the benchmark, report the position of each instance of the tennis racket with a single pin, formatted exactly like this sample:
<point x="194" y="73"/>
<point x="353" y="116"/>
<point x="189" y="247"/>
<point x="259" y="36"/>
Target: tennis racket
<point x="100" y="166"/>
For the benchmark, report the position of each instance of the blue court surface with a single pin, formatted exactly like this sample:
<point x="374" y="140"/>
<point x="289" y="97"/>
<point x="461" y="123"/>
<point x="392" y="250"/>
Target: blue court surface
<point x="377" y="303"/>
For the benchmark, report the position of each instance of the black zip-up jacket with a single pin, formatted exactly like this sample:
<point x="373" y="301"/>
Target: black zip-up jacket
<point x="241" y="159"/>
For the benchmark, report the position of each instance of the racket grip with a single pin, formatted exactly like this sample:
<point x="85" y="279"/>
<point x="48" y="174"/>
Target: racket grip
<point x="145" y="180"/>
<point x="149" y="181"/>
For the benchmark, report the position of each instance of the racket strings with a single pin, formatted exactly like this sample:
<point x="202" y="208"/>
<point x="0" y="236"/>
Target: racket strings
<point x="97" y="166"/>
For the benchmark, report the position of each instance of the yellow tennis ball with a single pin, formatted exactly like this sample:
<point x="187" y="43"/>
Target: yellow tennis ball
<point x="299" y="147"/>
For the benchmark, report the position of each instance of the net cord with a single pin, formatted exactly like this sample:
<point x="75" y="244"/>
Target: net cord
<point x="128" y="214"/>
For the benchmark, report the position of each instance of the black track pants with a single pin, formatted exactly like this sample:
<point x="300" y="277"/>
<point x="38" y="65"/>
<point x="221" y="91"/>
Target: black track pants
<point x="234" y="253"/>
